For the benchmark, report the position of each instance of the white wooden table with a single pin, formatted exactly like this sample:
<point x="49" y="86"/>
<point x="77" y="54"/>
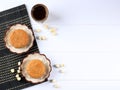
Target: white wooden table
<point x="88" y="42"/>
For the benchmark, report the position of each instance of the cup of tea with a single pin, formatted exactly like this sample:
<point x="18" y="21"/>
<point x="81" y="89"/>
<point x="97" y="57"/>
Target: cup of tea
<point x="39" y="12"/>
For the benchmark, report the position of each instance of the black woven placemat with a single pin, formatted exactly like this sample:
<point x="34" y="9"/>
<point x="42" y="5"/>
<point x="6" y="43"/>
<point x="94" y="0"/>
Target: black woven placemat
<point x="9" y="60"/>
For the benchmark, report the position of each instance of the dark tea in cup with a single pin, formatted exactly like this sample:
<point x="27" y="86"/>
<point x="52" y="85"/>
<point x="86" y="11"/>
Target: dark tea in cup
<point x="39" y="12"/>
